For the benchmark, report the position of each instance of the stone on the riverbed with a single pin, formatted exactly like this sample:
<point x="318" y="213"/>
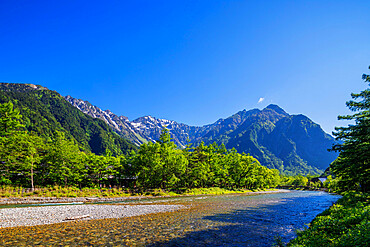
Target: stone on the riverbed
<point x="30" y="216"/>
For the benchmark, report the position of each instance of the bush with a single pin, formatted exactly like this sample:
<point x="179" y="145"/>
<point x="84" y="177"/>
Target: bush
<point x="346" y="223"/>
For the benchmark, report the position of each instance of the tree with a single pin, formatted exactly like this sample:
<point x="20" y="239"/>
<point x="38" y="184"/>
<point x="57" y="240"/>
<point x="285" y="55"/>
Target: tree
<point x="10" y="119"/>
<point x="64" y="160"/>
<point x="160" y="164"/>
<point x="353" y="163"/>
<point x="30" y="153"/>
<point x="243" y="169"/>
<point x="199" y="169"/>
<point x="10" y="124"/>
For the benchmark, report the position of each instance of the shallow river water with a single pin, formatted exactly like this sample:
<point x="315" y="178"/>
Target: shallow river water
<point x="223" y="220"/>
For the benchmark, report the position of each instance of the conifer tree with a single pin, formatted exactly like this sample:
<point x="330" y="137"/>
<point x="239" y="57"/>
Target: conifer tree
<point x="353" y="163"/>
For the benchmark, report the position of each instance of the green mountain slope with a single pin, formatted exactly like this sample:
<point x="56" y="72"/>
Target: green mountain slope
<point x="45" y="111"/>
<point x="290" y="143"/>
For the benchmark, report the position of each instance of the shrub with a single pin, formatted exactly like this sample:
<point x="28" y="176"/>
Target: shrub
<point x="346" y="223"/>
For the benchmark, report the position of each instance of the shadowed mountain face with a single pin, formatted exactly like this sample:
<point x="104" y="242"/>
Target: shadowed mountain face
<point x="120" y="124"/>
<point x="290" y="143"/>
<point x="44" y="112"/>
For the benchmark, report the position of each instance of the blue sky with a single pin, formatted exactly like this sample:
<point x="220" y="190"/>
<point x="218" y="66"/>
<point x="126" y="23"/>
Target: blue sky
<point x="191" y="61"/>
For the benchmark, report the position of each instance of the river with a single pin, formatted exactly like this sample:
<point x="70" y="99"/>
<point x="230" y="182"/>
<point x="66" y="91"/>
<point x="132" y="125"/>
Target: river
<point x="223" y="220"/>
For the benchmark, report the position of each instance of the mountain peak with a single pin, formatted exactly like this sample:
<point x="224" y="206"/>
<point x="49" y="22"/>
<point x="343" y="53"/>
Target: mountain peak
<point x="277" y="109"/>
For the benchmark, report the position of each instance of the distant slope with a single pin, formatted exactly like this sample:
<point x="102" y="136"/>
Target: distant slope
<point x="45" y="111"/>
<point x="120" y="124"/>
<point x="140" y="130"/>
<point x="151" y="127"/>
<point x="290" y="143"/>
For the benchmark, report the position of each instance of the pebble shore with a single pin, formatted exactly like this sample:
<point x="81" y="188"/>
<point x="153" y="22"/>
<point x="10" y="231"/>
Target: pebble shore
<point x="37" y="200"/>
<point x="40" y="200"/>
<point x="31" y="216"/>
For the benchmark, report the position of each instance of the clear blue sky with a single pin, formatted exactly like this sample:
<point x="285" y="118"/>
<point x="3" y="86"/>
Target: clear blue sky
<point x="191" y="61"/>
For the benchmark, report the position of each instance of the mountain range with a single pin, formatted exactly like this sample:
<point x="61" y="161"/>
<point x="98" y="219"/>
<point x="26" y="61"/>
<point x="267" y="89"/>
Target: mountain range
<point x="290" y="143"/>
<point x="45" y="111"/>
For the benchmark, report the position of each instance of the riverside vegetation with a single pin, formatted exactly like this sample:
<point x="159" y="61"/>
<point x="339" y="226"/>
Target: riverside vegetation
<point x="293" y="144"/>
<point x="32" y="160"/>
<point x="346" y="223"/>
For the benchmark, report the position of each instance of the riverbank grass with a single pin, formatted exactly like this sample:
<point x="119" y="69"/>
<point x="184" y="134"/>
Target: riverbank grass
<point x="346" y="223"/>
<point x="58" y="191"/>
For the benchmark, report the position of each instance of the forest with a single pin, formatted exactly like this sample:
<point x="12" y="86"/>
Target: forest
<point x="31" y="160"/>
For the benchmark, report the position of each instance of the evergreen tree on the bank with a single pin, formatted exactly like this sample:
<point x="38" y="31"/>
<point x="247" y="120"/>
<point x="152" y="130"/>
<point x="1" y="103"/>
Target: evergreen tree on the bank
<point x="353" y="163"/>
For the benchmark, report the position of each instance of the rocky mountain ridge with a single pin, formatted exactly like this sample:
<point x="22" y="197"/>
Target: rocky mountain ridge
<point x="292" y="143"/>
<point x="45" y="111"/>
<point x="120" y="124"/>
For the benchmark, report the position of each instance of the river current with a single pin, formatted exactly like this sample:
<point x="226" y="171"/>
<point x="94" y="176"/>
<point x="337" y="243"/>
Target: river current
<point x="223" y="220"/>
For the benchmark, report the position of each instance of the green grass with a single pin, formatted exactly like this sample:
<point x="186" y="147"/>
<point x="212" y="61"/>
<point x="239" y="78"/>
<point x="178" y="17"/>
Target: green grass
<point x="346" y="223"/>
<point x="58" y="191"/>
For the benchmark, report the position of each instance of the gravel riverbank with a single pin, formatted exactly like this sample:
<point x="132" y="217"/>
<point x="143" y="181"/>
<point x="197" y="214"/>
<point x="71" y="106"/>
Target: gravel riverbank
<point x="39" y="200"/>
<point x="30" y="216"/>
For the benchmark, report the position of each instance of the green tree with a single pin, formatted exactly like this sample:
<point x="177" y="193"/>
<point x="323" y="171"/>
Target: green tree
<point x="353" y="164"/>
<point x="10" y="126"/>
<point x="30" y="153"/>
<point x="199" y="169"/>
<point x="243" y="169"/>
<point x="160" y="164"/>
<point x="10" y="119"/>
<point x="63" y="159"/>
<point x="300" y="180"/>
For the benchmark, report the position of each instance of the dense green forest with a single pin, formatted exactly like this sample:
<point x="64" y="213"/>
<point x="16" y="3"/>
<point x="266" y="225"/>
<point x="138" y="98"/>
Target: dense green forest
<point x="30" y="159"/>
<point x="45" y="112"/>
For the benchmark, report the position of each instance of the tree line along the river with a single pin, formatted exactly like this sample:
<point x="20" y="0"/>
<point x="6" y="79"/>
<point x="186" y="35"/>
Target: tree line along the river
<point x="30" y="160"/>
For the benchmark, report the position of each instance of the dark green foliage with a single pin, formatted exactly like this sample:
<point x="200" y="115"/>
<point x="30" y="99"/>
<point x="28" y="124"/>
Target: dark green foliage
<point x="297" y="180"/>
<point x="9" y="119"/>
<point x="29" y="160"/>
<point x="344" y="224"/>
<point x="347" y="222"/>
<point x="293" y="144"/>
<point x="45" y="112"/>
<point x="160" y="164"/>
<point x="353" y="164"/>
<point x="163" y="165"/>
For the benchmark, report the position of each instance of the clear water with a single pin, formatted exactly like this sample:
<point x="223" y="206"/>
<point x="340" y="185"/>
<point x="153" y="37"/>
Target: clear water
<point x="225" y="220"/>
